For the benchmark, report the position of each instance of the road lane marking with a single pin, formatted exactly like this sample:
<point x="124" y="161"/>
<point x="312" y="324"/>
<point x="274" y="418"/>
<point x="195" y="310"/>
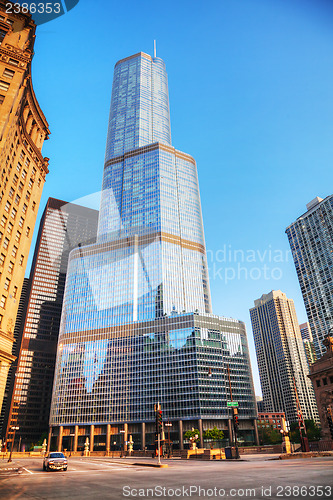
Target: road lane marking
<point x="110" y="464"/>
<point x="94" y="472"/>
<point x="28" y="470"/>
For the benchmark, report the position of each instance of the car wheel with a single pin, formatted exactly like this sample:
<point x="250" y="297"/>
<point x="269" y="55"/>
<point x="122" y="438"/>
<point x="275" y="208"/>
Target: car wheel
<point x="44" y="468"/>
<point x="65" y="468"/>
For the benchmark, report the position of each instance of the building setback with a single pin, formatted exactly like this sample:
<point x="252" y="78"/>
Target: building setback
<point x="63" y="227"/>
<point x="23" y="129"/>
<point x="281" y="357"/>
<point x="136" y="326"/>
<point x="311" y="242"/>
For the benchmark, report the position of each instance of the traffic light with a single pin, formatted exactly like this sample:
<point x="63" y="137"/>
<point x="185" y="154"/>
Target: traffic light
<point x="159" y="421"/>
<point x="235" y="417"/>
<point x="330" y="420"/>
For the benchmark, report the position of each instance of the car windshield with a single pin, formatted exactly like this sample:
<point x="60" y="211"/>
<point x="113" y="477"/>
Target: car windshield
<point x="56" y="455"/>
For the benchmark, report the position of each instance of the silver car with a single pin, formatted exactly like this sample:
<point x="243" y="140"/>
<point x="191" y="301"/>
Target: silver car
<point x="55" y="461"/>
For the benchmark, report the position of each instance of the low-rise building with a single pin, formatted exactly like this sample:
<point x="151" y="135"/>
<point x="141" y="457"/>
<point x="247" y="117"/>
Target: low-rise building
<point x="274" y="420"/>
<point x="321" y="375"/>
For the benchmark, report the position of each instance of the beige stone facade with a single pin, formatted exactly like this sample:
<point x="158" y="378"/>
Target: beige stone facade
<point x="281" y="357"/>
<point x="321" y="375"/>
<point x="23" y="129"/>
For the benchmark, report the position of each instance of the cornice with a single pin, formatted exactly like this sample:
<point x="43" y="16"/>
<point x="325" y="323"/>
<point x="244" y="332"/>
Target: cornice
<point x="6" y="356"/>
<point x="43" y="162"/>
<point x="31" y="94"/>
<point x="10" y="51"/>
<point x="148" y="148"/>
<point x="143" y="240"/>
<point x="138" y="54"/>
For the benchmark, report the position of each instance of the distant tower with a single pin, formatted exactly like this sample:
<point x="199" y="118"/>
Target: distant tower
<point x="281" y="356"/>
<point x="308" y="343"/>
<point x="23" y="129"/>
<point x="311" y="242"/>
<point x="63" y="226"/>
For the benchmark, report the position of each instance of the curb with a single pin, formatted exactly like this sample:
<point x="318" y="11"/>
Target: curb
<point x="152" y="465"/>
<point x="311" y="454"/>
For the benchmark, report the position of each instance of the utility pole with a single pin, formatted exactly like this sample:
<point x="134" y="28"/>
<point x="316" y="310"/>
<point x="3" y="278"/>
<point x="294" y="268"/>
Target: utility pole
<point x="159" y="426"/>
<point x="301" y="424"/>
<point x="11" y="450"/>
<point x="168" y="425"/>
<point x="234" y="414"/>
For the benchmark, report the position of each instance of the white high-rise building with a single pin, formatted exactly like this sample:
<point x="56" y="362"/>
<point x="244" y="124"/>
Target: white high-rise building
<point x="311" y="242"/>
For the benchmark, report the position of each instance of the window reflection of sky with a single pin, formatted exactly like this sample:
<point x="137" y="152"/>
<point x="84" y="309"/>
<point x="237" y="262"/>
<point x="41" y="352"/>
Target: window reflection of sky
<point x="93" y="362"/>
<point x="94" y="357"/>
<point x="178" y="338"/>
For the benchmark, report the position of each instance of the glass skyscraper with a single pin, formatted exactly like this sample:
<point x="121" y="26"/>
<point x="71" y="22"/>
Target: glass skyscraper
<point x="136" y="323"/>
<point x="311" y="242"/>
<point x="63" y="227"/>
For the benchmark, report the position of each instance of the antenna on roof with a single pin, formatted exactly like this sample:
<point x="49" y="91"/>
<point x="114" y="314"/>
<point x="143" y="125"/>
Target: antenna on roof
<point x="154" y="49"/>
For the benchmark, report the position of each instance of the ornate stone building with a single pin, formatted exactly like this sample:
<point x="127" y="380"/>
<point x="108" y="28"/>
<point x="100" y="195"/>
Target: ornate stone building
<point x="23" y="129"/>
<point x="321" y="375"/>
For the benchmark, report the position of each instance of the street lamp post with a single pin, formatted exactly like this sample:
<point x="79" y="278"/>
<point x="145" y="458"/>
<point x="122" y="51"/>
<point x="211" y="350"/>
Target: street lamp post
<point x="123" y="444"/>
<point x="235" y="415"/>
<point x="11" y="450"/>
<point x="168" y="425"/>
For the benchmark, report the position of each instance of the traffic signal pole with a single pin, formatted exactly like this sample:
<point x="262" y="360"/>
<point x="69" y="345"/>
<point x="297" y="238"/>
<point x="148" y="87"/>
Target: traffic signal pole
<point x="301" y="424"/>
<point x="159" y="424"/>
<point x="329" y="414"/>
<point x="234" y="415"/>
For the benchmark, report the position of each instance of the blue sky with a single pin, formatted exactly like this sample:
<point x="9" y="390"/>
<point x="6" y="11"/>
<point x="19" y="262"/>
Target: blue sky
<point x="250" y="85"/>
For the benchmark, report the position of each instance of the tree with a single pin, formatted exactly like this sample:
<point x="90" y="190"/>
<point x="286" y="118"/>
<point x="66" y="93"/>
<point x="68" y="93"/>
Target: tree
<point x="269" y="435"/>
<point x="41" y="439"/>
<point x="39" y="442"/>
<point x="191" y="434"/>
<point x="312" y="430"/>
<point x="214" y="435"/>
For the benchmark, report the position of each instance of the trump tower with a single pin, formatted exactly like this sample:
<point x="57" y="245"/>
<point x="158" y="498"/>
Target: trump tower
<point x="137" y="326"/>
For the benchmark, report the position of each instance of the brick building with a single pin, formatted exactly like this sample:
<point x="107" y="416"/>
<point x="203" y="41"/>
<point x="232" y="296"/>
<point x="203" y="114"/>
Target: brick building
<point x="321" y="375"/>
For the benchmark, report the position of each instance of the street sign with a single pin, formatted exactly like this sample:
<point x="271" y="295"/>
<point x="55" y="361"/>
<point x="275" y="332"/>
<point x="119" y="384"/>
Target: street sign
<point x="232" y="403"/>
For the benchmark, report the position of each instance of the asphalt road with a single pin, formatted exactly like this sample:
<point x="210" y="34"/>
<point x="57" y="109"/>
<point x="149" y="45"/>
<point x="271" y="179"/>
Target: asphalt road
<point x="104" y="478"/>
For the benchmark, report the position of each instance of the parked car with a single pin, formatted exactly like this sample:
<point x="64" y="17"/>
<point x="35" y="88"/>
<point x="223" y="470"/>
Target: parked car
<point x="55" y="460"/>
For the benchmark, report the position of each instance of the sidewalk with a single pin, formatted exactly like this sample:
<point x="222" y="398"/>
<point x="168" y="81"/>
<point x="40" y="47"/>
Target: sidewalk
<point x="307" y="454"/>
<point x="260" y="457"/>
